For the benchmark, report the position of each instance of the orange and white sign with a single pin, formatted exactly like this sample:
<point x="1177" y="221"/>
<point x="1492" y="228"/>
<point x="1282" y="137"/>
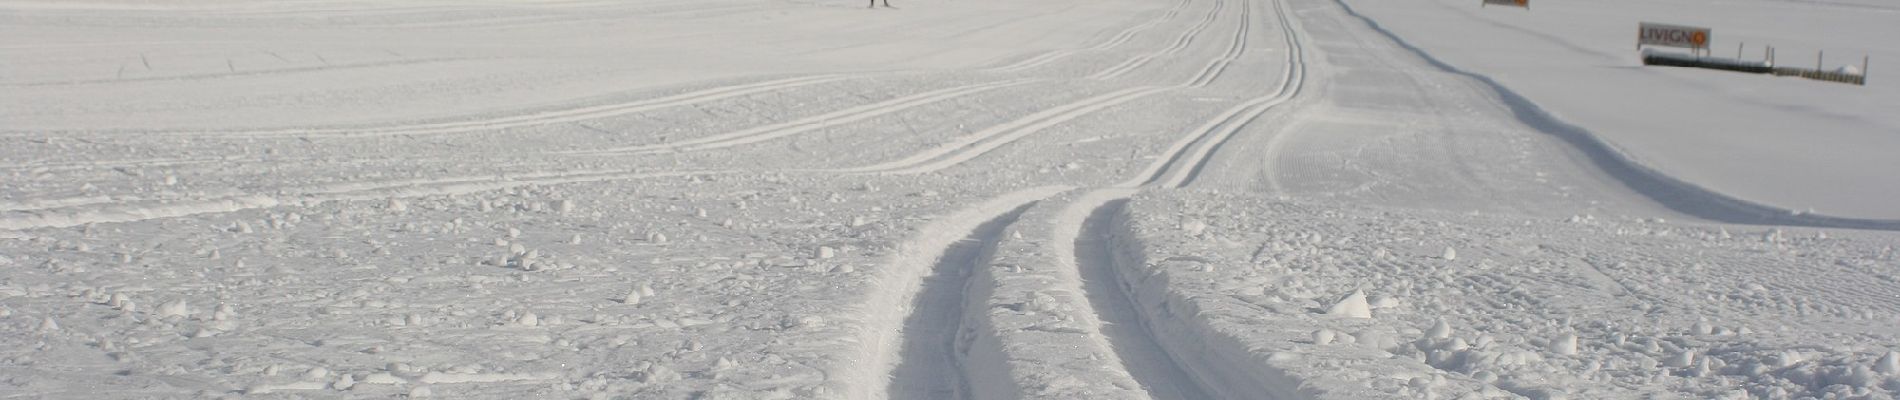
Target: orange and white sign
<point x="1510" y="3"/>
<point x="1652" y="34"/>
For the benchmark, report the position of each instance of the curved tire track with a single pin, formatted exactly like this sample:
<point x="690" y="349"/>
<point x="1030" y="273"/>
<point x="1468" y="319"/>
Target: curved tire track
<point x="774" y="131"/>
<point x="537" y="118"/>
<point x="894" y="296"/>
<point x="1151" y="343"/>
<point x="1180" y="43"/>
<point x="973" y="145"/>
<point x="1115" y="41"/>
<point x="1184" y="160"/>
<point x="86" y="211"/>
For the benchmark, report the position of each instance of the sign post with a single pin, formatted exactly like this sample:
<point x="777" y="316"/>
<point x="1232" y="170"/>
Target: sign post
<point x="1653" y="34"/>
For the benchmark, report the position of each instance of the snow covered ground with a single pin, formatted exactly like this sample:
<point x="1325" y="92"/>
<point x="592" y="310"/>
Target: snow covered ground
<point x="1786" y="143"/>
<point x="1175" y="199"/>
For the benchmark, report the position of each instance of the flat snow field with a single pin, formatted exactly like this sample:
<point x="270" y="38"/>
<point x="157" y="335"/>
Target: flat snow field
<point x="942" y="199"/>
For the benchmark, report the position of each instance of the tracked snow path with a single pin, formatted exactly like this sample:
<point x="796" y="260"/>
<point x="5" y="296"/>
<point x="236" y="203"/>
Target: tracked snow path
<point x="86" y="211"/>
<point x="1129" y="331"/>
<point x="1174" y="366"/>
<point x="1114" y="41"/>
<point x="774" y="131"/>
<point x="1187" y="156"/>
<point x="900" y="289"/>
<point x="1180" y="43"/>
<point x="539" y="118"/>
<point x="929" y="366"/>
<point x="978" y="143"/>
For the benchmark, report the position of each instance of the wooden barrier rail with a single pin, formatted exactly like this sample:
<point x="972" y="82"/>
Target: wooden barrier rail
<point x="1754" y="67"/>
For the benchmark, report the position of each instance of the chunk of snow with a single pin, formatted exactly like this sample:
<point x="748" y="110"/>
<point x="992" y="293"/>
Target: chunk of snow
<point x="1450" y="254"/>
<point x="1193" y="226"/>
<point x="1440" y="330"/>
<point x="1888" y="364"/>
<point x="1352" y="306"/>
<point x="1680" y="360"/>
<point x="1323" y="336"/>
<point x="447" y="377"/>
<point x="174" y="308"/>
<point x="633" y="297"/>
<point x="267" y="389"/>
<point x="382" y="378"/>
<point x="1564" y="345"/>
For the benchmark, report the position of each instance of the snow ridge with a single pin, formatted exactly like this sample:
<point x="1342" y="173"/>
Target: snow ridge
<point x="1669" y="191"/>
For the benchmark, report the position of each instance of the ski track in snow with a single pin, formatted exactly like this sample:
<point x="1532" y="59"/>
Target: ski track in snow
<point x="1115" y="41"/>
<point x="1008" y="289"/>
<point x="1163" y="369"/>
<point x="775" y="131"/>
<point x="882" y="351"/>
<point x="1180" y="43"/>
<point x="540" y="118"/>
<point x="84" y="211"/>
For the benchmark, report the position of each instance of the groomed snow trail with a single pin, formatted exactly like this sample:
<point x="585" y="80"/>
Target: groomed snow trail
<point x="1167" y="366"/>
<point x="533" y="119"/>
<point x="1124" y="323"/>
<point x="931" y="367"/>
<point x="1100" y="199"/>
<point x="901" y="292"/>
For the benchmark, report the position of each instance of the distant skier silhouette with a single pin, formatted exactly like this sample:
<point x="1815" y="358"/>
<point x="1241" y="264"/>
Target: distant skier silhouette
<point x="887" y="4"/>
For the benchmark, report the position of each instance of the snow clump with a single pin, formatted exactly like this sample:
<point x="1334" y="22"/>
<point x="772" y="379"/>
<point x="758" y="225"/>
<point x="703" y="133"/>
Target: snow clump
<point x="1352" y="306"/>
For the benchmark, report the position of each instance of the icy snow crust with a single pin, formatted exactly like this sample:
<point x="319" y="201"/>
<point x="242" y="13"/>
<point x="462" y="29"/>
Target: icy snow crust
<point x="1123" y="199"/>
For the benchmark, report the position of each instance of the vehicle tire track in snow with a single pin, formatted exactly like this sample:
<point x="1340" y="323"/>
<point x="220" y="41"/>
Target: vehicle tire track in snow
<point x="872" y="372"/>
<point x="928" y="366"/>
<point x="1123" y="37"/>
<point x="976" y="144"/>
<point x="774" y="131"/>
<point x="1185" y="159"/>
<point x="246" y="73"/>
<point x="1180" y="43"/>
<point x="86" y="211"/>
<point x="1219" y="64"/>
<point x="1167" y="367"/>
<point x="1083" y="226"/>
<point x="534" y="119"/>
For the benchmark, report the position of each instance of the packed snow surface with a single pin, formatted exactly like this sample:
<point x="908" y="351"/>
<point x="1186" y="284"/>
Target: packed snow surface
<point x="986" y="199"/>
